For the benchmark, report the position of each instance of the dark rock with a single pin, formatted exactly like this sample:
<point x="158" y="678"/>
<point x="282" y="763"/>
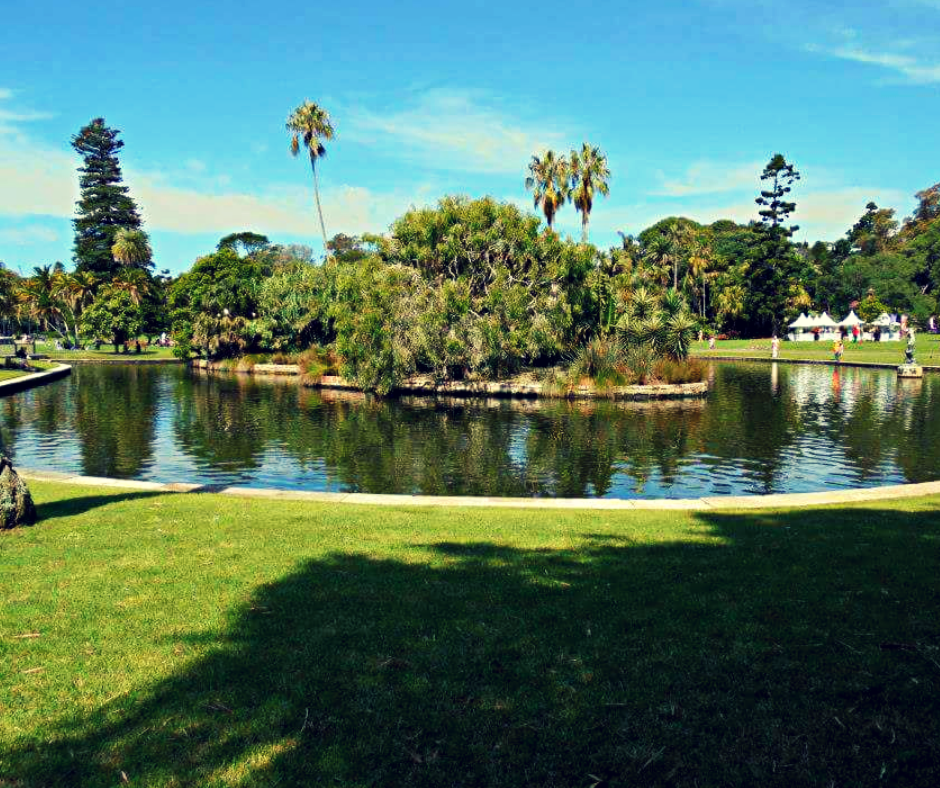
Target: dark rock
<point x="16" y="504"/>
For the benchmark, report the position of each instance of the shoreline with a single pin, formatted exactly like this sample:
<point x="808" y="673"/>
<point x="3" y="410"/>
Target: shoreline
<point x="34" y="379"/>
<point x="423" y="386"/>
<point x="718" y="502"/>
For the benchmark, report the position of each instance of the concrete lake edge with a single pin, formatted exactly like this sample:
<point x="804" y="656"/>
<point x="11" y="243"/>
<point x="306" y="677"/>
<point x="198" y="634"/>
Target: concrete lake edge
<point x="24" y="382"/>
<point x="727" y="502"/>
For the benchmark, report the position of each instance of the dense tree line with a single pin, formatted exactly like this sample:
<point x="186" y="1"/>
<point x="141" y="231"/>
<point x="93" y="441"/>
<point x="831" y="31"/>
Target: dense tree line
<point x="471" y="287"/>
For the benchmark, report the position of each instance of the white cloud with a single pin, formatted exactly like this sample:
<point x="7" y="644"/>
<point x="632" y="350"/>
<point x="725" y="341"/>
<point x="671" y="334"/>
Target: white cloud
<point x="913" y="69"/>
<point x="5" y="93"/>
<point x="711" y="178"/>
<point x="39" y="181"/>
<point x="25" y="236"/>
<point x="451" y="130"/>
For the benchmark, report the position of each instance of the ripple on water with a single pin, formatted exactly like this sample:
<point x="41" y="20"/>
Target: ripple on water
<point x="762" y="430"/>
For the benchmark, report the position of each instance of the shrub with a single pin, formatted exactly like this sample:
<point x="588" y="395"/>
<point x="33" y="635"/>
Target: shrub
<point x="315" y="362"/>
<point x="690" y="370"/>
<point x="601" y="360"/>
<point x="640" y="359"/>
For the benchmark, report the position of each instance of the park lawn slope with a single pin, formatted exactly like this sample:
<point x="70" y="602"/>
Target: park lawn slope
<point x="190" y="640"/>
<point x="927" y="353"/>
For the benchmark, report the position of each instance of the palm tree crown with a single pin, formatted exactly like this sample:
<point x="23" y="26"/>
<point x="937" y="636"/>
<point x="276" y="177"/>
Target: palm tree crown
<point x="548" y="181"/>
<point x="310" y="126"/>
<point x="131" y="248"/>
<point x="589" y="176"/>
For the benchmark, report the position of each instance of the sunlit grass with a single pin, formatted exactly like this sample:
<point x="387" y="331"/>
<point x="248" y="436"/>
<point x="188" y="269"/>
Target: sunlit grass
<point x="190" y="640"/>
<point x="928" y="350"/>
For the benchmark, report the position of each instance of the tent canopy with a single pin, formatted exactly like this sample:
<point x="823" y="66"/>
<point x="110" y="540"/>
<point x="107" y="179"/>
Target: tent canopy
<point x="884" y="319"/>
<point x="801" y="322"/>
<point x="823" y="321"/>
<point x="851" y="320"/>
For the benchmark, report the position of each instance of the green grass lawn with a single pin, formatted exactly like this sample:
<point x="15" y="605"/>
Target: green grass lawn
<point x="9" y="374"/>
<point x="200" y="640"/>
<point x="928" y="350"/>
<point x="106" y="352"/>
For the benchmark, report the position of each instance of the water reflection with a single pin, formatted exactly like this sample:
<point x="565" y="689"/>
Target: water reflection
<point x="765" y="428"/>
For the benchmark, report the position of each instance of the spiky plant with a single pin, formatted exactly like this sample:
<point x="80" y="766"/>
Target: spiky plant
<point x="589" y="177"/>
<point x="549" y="183"/>
<point x="310" y="126"/>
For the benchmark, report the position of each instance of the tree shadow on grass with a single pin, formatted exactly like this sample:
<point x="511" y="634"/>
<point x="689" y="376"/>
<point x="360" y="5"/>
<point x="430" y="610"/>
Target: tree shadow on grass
<point x="76" y="504"/>
<point x="798" y="648"/>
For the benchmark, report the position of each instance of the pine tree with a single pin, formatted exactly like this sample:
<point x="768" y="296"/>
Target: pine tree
<point x="105" y="205"/>
<point x="777" y="275"/>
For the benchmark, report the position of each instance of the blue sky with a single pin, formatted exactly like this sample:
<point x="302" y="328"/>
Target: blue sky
<point x="688" y="99"/>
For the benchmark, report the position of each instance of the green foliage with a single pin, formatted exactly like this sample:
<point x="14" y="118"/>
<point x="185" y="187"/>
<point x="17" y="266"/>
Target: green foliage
<point x="871" y="309"/>
<point x="113" y="316"/>
<point x="247" y="242"/>
<point x="221" y="337"/>
<point x="104" y="205"/>
<point x="217" y="283"/>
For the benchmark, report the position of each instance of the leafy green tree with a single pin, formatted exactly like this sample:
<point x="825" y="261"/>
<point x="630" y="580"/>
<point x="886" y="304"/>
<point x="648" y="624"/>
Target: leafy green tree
<point x="105" y="205"/>
<point x="870" y="308"/>
<point x="114" y="316"/>
<point x="874" y="232"/>
<point x="310" y="126"/>
<point x="589" y="177"/>
<point x="548" y="181"/>
<point x="217" y="282"/>
<point x="347" y="248"/>
<point x="249" y="242"/>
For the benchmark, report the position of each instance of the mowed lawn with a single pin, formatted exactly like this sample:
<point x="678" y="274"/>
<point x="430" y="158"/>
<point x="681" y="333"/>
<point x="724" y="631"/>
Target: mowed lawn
<point x="152" y="352"/>
<point x="199" y="640"/>
<point x="37" y="366"/>
<point x="928" y="350"/>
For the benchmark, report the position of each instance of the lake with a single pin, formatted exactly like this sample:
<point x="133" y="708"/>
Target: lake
<point x="763" y="429"/>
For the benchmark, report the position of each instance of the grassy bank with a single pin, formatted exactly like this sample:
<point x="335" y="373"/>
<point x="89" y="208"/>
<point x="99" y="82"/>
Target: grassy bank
<point x="928" y="350"/>
<point x="35" y="366"/>
<point x="106" y="352"/>
<point x="201" y="640"/>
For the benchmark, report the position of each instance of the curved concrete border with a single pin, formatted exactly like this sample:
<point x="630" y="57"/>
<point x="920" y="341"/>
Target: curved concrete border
<point x="795" y="500"/>
<point x="24" y="382"/>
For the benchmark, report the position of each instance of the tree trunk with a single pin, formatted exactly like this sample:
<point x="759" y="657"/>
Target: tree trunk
<point x="584" y="226"/>
<point x="316" y="193"/>
<point x="675" y="274"/>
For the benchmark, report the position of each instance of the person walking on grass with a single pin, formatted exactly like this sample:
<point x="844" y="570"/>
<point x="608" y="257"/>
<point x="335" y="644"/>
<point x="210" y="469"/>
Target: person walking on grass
<point x="775" y="347"/>
<point x="837" y="350"/>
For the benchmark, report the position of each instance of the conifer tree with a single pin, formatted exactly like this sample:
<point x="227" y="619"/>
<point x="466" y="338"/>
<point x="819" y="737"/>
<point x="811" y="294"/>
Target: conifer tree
<point x="104" y="206"/>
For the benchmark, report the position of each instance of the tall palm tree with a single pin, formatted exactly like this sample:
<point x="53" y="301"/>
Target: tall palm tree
<point x="310" y="127"/>
<point x="78" y="291"/>
<point x="548" y="181"/>
<point x="39" y="296"/>
<point x="131" y="248"/>
<point x="134" y="282"/>
<point x="699" y="262"/>
<point x="589" y="176"/>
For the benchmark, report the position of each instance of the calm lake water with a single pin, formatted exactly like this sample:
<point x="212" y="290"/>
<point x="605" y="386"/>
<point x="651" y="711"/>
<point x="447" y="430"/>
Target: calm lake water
<point x="763" y="429"/>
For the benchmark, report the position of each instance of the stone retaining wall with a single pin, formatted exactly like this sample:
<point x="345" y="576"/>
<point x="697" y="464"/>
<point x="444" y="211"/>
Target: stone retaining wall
<point x="428" y="387"/>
